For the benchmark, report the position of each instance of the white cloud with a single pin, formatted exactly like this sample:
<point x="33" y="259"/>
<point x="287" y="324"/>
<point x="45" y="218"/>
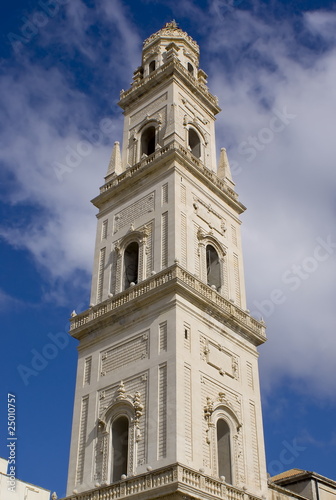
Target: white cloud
<point x="288" y="187"/>
<point x="48" y="120"/>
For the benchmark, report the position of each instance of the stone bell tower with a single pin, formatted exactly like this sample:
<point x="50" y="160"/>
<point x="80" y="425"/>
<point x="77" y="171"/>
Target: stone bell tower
<point x="167" y="399"/>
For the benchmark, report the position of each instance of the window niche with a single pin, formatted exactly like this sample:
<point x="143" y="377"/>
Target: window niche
<point x="131" y="264"/>
<point x="190" y="68"/>
<point x="132" y="257"/>
<point x="194" y="143"/>
<point x="148" y="141"/>
<point x="212" y="264"/>
<point x="223" y="439"/>
<point x="119" y="436"/>
<point x="151" y="67"/>
<point x="213" y="267"/>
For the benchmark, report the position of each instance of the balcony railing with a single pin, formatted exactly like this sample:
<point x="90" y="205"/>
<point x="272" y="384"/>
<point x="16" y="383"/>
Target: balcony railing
<point x="195" y="162"/>
<point x="166" y="68"/>
<point x="216" y="303"/>
<point x="175" y="478"/>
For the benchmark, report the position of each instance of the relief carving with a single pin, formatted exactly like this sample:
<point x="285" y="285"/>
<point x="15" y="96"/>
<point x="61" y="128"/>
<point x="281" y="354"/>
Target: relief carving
<point x="219" y="358"/>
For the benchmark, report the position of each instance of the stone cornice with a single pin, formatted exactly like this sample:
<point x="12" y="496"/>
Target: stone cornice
<point x="161" y="76"/>
<point x="160" y="158"/>
<point x="175" y="279"/>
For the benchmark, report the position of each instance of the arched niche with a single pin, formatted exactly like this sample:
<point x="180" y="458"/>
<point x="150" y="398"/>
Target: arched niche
<point x="212" y="265"/>
<point x="148" y="140"/>
<point x="194" y="142"/>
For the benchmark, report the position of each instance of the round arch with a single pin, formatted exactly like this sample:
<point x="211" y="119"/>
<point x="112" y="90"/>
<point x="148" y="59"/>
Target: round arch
<point x="224" y="438"/>
<point x="213" y="266"/>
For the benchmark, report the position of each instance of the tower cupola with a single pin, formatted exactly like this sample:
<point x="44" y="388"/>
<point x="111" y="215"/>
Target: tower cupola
<point x="165" y="42"/>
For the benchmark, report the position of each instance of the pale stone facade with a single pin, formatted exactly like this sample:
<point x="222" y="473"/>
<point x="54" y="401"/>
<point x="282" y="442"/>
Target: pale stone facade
<point x="167" y="342"/>
<point x="15" y="489"/>
<point x="167" y="397"/>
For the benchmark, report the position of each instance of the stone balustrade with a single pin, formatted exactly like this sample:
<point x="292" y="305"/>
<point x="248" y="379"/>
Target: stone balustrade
<point x="173" y="146"/>
<point x="166" y="68"/>
<point x="170" y="479"/>
<point x="216" y="303"/>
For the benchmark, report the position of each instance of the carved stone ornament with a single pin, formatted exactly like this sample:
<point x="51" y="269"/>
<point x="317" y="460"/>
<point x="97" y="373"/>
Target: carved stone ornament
<point x="200" y="234"/>
<point x="122" y="404"/>
<point x="152" y="52"/>
<point x="208" y="408"/>
<point x="121" y="392"/>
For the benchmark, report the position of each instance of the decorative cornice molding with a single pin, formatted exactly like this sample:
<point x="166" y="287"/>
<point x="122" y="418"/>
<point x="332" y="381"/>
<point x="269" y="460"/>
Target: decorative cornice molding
<point x="175" y="276"/>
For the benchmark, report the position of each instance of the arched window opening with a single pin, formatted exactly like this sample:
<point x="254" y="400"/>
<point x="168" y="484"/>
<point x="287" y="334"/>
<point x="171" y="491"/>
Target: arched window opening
<point x="224" y="450"/>
<point x="191" y="68"/>
<point x="148" y="141"/>
<point x="213" y="267"/>
<point x="119" y="448"/>
<point x="151" y="66"/>
<point x="194" y="143"/>
<point x="131" y="263"/>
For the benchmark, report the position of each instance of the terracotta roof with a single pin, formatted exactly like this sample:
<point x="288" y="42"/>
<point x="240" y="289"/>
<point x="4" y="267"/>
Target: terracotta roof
<point x="287" y="474"/>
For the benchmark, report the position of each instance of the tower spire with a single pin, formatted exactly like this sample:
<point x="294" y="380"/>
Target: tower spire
<point x="114" y="166"/>
<point x="224" y="171"/>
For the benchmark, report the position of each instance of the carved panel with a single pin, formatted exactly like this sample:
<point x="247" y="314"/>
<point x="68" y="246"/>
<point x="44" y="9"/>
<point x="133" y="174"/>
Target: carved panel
<point x="82" y="440"/>
<point x="255" y="448"/>
<point x="104" y="229"/>
<point x="183" y="194"/>
<point x="129" y="214"/>
<point x="236" y="279"/>
<point x="101" y="270"/>
<point x="209" y="215"/>
<point x="87" y="370"/>
<point x="188" y="413"/>
<point x="183" y="240"/>
<point x="164" y="193"/>
<point x="234" y="235"/>
<point x="217" y="356"/>
<point x="149" y="250"/>
<point x="162" y="413"/>
<point x="163" y="336"/>
<point x="149" y="109"/>
<point x="249" y="370"/>
<point x="128" y="352"/>
<point x="196" y="250"/>
<point x="164" y="240"/>
<point x="194" y="110"/>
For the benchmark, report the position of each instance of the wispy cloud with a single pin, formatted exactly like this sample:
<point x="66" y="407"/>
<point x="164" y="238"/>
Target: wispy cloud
<point x="261" y="62"/>
<point x="48" y="115"/>
<point x="257" y="71"/>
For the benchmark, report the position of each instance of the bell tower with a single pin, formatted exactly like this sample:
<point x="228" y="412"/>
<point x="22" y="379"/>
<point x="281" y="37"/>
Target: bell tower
<point x="167" y="398"/>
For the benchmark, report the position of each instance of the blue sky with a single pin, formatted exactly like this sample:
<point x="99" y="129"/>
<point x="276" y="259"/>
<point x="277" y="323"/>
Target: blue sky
<point x="63" y="65"/>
